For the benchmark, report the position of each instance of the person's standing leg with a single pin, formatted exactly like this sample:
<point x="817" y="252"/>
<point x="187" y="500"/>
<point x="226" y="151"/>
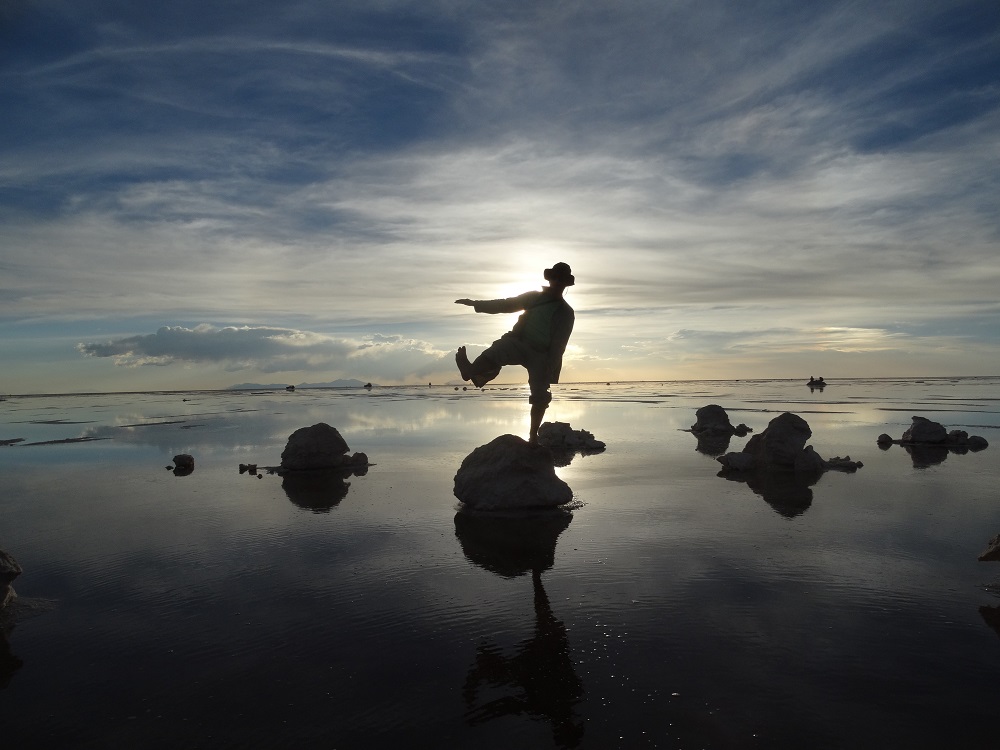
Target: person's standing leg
<point x="540" y="398"/>
<point x="537" y="412"/>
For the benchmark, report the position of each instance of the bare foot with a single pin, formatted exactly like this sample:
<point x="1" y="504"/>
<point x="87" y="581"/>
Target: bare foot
<point x="464" y="365"/>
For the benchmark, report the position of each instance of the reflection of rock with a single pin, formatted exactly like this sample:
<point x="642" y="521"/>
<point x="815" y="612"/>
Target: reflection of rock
<point x="318" y="490"/>
<point x="926" y="455"/>
<point x="318" y="447"/>
<point x="9" y="570"/>
<point x="789" y="493"/>
<point x="539" y="679"/>
<point x="511" y="545"/>
<point x="509" y="473"/>
<point x="992" y="551"/>
<point x="8" y="662"/>
<point x="991" y="615"/>
<point x="712" y="444"/>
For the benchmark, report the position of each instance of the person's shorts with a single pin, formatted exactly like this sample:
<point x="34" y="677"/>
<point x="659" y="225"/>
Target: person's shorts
<point x="510" y="350"/>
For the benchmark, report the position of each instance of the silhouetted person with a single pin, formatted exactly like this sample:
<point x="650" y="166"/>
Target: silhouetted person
<point x="541" y="673"/>
<point x="537" y="341"/>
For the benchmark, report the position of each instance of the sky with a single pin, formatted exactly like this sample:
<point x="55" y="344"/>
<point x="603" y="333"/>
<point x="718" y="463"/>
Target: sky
<point x="196" y="194"/>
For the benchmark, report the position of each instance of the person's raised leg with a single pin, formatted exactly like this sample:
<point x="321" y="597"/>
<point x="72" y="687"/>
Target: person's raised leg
<point x="464" y="365"/>
<point x="480" y="372"/>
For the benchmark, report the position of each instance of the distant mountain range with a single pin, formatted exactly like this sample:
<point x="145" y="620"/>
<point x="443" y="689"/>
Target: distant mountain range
<point x="272" y="386"/>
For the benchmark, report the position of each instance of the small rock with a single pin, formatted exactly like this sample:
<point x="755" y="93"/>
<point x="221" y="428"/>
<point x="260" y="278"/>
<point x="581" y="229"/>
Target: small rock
<point x="924" y="430"/>
<point x="184" y="461"/>
<point x="712" y="419"/>
<point x="317" y="447"/>
<point x="978" y="443"/>
<point x="560" y="434"/>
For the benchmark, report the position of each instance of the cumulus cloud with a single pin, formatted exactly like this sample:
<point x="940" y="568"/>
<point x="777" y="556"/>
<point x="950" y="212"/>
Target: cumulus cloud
<point x="267" y="350"/>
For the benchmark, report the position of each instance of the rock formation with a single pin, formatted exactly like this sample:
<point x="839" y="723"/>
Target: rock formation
<point x="565" y="443"/>
<point x="782" y="447"/>
<point x="318" y="447"/>
<point x="923" y="431"/>
<point x="929" y="443"/>
<point x="714" y="430"/>
<point x="561" y="435"/>
<point x="510" y="473"/>
<point x="713" y="420"/>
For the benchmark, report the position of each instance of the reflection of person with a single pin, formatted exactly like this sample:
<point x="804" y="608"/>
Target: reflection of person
<point x="541" y="672"/>
<point x="8" y="662"/>
<point x="537" y="341"/>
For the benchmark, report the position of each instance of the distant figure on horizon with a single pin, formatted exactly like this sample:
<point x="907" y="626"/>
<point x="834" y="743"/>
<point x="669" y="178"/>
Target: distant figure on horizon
<point x="537" y="341"/>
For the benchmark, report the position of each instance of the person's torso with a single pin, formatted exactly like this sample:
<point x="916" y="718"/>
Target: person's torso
<point x="535" y="324"/>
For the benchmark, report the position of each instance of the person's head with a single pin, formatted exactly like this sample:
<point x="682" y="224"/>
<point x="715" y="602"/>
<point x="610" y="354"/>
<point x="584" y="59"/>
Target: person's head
<point x="560" y="275"/>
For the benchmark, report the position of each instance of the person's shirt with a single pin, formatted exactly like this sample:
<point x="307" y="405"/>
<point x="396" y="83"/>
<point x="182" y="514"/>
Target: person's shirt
<point x="545" y="325"/>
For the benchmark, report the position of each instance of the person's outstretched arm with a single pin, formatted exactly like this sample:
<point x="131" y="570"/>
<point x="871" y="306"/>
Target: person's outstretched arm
<point x="508" y="305"/>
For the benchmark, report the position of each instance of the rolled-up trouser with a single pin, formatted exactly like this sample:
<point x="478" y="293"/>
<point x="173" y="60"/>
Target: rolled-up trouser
<point x="510" y="350"/>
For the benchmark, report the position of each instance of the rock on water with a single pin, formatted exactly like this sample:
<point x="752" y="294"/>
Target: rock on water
<point x="316" y="447"/>
<point x="508" y="473"/>
<point x="561" y="435"/>
<point x="9" y="570"/>
<point x="924" y="430"/>
<point x="184" y="461"/>
<point x="782" y="447"/>
<point x="712" y="420"/>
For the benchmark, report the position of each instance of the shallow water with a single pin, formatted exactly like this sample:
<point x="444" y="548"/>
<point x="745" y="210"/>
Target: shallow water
<point x="670" y="607"/>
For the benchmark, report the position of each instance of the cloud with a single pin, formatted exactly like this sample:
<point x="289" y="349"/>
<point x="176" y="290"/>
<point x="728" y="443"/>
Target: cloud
<point x="350" y="170"/>
<point x="267" y="350"/>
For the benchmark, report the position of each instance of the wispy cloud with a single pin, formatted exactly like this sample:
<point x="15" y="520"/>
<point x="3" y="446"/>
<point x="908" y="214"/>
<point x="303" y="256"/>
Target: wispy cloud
<point x="350" y="170"/>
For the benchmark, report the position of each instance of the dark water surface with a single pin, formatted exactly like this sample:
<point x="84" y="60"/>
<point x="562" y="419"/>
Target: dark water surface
<point x="667" y="607"/>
